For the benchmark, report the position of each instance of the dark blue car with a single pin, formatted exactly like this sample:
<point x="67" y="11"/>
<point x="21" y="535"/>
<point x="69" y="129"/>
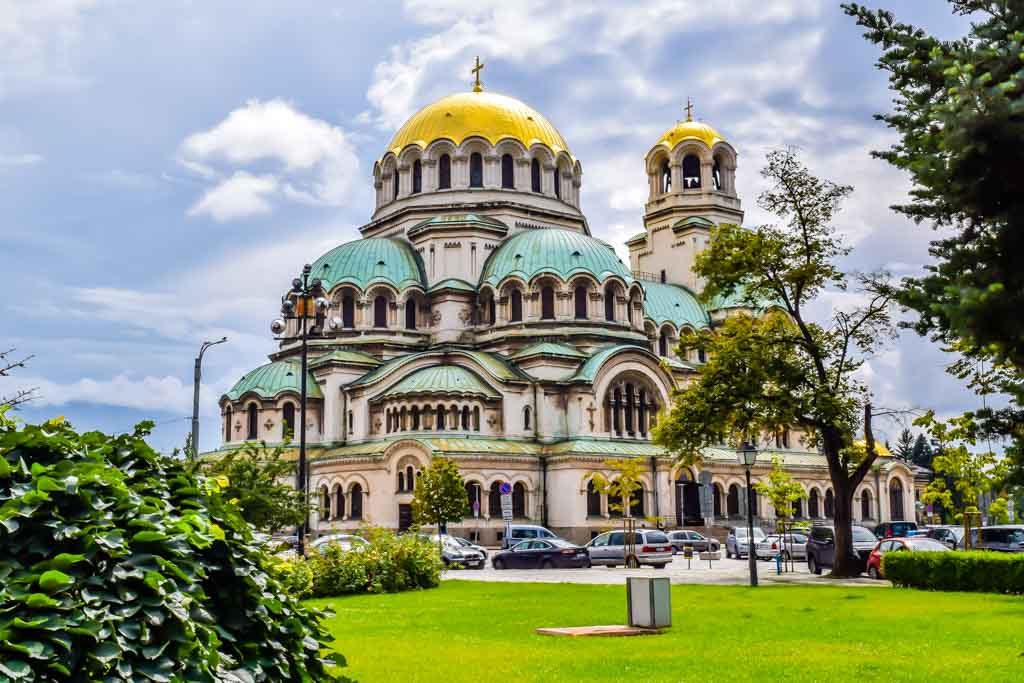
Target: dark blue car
<point x="549" y="553"/>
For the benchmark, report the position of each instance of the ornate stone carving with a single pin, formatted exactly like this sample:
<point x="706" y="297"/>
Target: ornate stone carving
<point x="436" y="317"/>
<point x="268" y="424"/>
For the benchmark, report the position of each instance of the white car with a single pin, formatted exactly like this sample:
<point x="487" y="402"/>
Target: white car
<point x="794" y="546"/>
<point x="736" y="542"/>
<point x="346" y="542"/>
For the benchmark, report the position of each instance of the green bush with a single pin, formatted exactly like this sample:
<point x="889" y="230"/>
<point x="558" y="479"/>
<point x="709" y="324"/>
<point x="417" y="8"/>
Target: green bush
<point x="976" y="571"/>
<point x="116" y="563"/>
<point x="388" y="565"/>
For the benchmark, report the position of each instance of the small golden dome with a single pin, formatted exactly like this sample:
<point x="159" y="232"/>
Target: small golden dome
<point x="488" y="115"/>
<point x="690" y="129"/>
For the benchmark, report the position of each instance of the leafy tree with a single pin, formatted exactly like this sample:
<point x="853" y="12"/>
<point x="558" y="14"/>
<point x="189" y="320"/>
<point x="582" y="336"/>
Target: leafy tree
<point x="260" y="481"/>
<point x="922" y="455"/>
<point x="622" y="487"/>
<point x="781" y="490"/>
<point x="959" y="112"/>
<point x="782" y="368"/>
<point x="904" y="447"/>
<point x="440" y="495"/>
<point x="120" y="564"/>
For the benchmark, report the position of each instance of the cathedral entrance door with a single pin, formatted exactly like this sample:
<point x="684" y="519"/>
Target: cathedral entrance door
<point x="404" y="516"/>
<point x="688" y="503"/>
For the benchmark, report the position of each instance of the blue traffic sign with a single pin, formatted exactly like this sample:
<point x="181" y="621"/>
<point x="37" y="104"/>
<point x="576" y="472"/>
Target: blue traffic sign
<point x="506" y="488"/>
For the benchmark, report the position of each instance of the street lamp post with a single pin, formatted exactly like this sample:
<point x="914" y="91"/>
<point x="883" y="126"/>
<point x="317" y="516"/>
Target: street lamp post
<point x="305" y="302"/>
<point x="196" y="378"/>
<point x="746" y="454"/>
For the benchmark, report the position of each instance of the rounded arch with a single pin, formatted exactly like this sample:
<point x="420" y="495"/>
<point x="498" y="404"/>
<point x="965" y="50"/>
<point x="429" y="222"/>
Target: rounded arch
<point x="439" y="147"/>
<point x="690" y="146"/>
<point x="511" y="146"/>
<point x="541" y="153"/>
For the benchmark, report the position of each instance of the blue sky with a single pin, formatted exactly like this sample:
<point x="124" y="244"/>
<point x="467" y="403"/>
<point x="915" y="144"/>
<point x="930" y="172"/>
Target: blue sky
<point x="167" y="167"/>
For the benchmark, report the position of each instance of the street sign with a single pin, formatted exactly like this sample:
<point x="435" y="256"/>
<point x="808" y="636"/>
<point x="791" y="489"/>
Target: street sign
<point x="707" y="503"/>
<point x="506" y="507"/>
<point x="506" y="489"/>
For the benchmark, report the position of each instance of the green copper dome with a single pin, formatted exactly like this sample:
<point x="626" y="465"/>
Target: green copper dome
<point x="558" y="252"/>
<point x="272" y="379"/>
<point x="368" y="261"/>
<point x="673" y="304"/>
<point x="440" y="380"/>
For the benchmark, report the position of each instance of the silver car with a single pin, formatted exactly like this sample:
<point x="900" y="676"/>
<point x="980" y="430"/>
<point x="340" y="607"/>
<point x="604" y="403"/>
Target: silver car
<point x="346" y="542"/>
<point x="736" y="541"/>
<point x="793" y="546"/>
<point x="651" y="547"/>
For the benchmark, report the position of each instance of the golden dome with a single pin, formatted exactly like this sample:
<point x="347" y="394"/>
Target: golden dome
<point x="690" y="129"/>
<point x="488" y="115"/>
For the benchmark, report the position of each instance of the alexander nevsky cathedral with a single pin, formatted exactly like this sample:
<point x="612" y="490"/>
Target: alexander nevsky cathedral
<point x="478" y="319"/>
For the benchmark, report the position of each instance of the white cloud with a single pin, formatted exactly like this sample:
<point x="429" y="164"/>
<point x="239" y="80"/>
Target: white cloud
<point x="26" y="159"/>
<point x="38" y="44"/>
<point x="164" y="394"/>
<point x="313" y="162"/>
<point x="240" y="196"/>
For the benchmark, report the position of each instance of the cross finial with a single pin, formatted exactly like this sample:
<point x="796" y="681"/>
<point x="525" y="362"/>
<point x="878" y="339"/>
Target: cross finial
<point x="477" y="86"/>
<point x="689" y="109"/>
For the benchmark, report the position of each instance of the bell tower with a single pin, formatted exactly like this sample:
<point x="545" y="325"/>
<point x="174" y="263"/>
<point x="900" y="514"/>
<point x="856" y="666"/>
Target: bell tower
<point x="691" y="174"/>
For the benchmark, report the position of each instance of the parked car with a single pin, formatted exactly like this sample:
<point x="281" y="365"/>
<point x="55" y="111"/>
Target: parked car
<point x="465" y="543"/>
<point x="549" y="553"/>
<point x="895" y="529"/>
<point x="793" y="546"/>
<point x="346" y="542"/>
<point x="887" y="545"/>
<point x="694" y="539"/>
<point x="736" y="541"/>
<point x="952" y="536"/>
<point x="652" y="547"/>
<point x="1004" y="538"/>
<point x="821" y="547"/>
<point x="453" y="552"/>
<point x="525" y="532"/>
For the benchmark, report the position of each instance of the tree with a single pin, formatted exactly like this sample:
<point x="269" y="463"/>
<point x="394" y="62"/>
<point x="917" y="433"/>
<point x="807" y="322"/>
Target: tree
<point x="904" y="447"/>
<point x="922" y="455"/>
<point x="622" y="487"/>
<point x="780" y="367"/>
<point x="259" y="480"/>
<point x="781" y="490"/>
<point x="440" y="495"/>
<point x="959" y="113"/>
<point x="20" y="395"/>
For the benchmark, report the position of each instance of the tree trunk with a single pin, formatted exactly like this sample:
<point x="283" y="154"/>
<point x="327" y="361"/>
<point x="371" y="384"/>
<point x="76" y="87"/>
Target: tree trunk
<point x="845" y="564"/>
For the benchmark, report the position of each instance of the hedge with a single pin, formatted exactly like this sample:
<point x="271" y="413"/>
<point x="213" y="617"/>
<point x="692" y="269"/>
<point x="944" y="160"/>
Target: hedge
<point x="977" y="571"/>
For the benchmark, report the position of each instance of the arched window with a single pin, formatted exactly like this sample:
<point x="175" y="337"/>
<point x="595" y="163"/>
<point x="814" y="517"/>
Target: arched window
<point x="702" y="356"/>
<point x="414" y="417"/>
<point x="616" y="409"/>
<point x="614" y="505"/>
<point x="830" y="504"/>
<point x="732" y="501"/>
<point x="637" y="507"/>
<point x="494" y="501"/>
<point x="410" y="482"/>
<point x="476" y="170"/>
<point x="593" y="500"/>
<point x="410" y="315"/>
<point x="865" y="504"/>
<point x="507" y="175"/>
<point x="716" y="176"/>
<point x="453" y="417"/>
<point x="547" y="303"/>
<point x="641" y="423"/>
<point x="492" y="311"/>
<point x="227" y="424"/>
<point x="403" y="419"/>
<point x="394" y="185"/>
<point x="526" y="417"/>
<point x="465" y="418"/>
<point x="535" y="176"/>
<point x="252" y="431"/>
<point x="288" y="417"/>
<point x="691" y="172"/>
<point x="444" y="172"/>
<point x="663" y="344"/>
<point x="339" y="503"/>
<point x="558" y="182"/>
<point x="609" y="305"/>
<point x="798" y="508"/>
<point x="325" y="503"/>
<point x="401" y="481"/>
<point x="664" y="277"/>
<point x="716" y="500"/>
<point x="516" y="306"/>
<point x="666" y="178"/>
<point x="580" y="302"/>
<point x="417" y="177"/>
<point x="630" y="407"/>
<point x="474" y="496"/>
<point x="348" y="311"/>
<point x="895" y="500"/>
<point x="380" y="311"/>
<point x="629" y="311"/>
<point x="356" y="501"/>
<point x="476" y="418"/>
<point x="812" y="504"/>
<point x="519" y="500"/>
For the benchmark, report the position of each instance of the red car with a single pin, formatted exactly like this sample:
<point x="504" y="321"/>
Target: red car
<point x="915" y="543"/>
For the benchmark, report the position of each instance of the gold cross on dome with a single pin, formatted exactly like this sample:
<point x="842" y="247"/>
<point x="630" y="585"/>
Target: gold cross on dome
<point x="477" y="86"/>
<point x="689" y="109"/>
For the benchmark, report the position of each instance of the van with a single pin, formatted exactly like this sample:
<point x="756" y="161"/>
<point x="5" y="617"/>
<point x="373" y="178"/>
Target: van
<point x="525" y="532"/>
<point x="1005" y="538"/>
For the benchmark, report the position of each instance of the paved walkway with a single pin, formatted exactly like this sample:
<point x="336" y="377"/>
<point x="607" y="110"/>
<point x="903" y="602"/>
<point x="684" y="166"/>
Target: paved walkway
<point x="723" y="572"/>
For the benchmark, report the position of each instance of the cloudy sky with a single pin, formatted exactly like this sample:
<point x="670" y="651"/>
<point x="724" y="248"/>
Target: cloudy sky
<point x="167" y="167"/>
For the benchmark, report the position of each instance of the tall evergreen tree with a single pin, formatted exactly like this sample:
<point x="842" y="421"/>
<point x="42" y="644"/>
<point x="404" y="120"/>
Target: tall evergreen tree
<point x="904" y="447"/>
<point x="921" y="454"/>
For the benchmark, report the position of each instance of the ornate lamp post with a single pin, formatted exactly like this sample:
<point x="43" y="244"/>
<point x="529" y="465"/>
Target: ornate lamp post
<point x="195" y="392"/>
<point x="306" y="304"/>
<point x="746" y="455"/>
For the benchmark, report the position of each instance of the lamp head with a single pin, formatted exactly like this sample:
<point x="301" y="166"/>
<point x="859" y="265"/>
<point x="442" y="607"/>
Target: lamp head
<point x="296" y="285"/>
<point x="277" y="326"/>
<point x="746" y="454"/>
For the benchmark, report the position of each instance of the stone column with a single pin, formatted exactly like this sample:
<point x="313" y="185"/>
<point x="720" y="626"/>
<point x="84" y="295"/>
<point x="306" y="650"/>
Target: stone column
<point x="492" y="172"/>
<point x="522" y="174"/>
<point x="404" y="180"/>
<point x="706" y="182"/>
<point x="430" y="179"/>
<point x="676" y="171"/>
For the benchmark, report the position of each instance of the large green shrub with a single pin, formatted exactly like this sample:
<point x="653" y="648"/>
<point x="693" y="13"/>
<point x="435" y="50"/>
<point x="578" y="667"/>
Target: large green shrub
<point x="977" y="571"/>
<point x="116" y="563"/>
<point x="388" y="564"/>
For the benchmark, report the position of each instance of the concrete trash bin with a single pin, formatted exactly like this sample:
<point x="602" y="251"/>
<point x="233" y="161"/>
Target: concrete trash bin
<point x="649" y="602"/>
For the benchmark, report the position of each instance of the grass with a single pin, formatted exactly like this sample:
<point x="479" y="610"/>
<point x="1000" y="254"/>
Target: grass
<point x="466" y="631"/>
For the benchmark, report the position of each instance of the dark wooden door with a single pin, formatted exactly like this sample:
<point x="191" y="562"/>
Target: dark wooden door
<point x="404" y="516"/>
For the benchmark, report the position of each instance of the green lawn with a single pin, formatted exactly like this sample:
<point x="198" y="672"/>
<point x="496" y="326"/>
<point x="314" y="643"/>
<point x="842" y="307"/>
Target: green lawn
<point x="466" y="631"/>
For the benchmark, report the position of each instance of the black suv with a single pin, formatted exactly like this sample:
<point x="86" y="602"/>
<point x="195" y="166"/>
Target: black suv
<point x="821" y="547"/>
